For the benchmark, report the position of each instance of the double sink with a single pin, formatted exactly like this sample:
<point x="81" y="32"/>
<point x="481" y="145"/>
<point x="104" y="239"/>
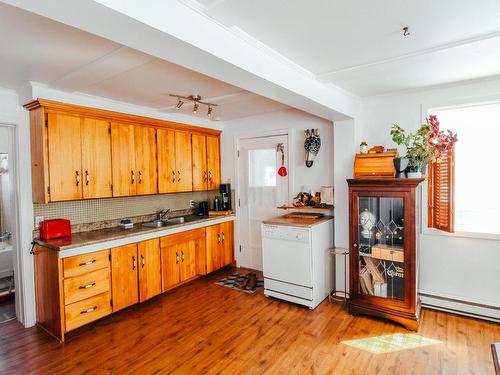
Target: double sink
<point x="172" y="221"/>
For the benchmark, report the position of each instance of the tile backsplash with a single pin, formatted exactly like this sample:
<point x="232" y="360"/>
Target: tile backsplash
<point x="97" y="210"/>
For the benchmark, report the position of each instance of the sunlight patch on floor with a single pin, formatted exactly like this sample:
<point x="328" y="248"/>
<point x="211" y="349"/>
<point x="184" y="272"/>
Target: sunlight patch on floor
<point x="391" y="343"/>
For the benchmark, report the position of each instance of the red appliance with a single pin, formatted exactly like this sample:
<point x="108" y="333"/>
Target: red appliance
<point x="55" y="228"/>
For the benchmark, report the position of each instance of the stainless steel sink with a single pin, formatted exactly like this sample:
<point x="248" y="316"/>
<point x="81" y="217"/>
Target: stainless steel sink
<point x="164" y="223"/>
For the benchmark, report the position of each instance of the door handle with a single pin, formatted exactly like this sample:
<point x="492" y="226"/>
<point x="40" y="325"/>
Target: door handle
<point x="86" y="286"/>
<point x="205" y="176"/>
<point x="176" y="258"/>
<point x="183" y="257"/>
<point x="223" y="238"/>
<point x="210" y="176"/>
<point x="140" y="177"/>
<point x="87" y="178"/>
<point x="134" y="263"/>
<point x="218" y="238"/>
<point x="173" y="176"/>
<point x="143" y="261"/>
<point x="77" y="178"/>
<point x="179" y="174"/>
<point x="132" y="176"/>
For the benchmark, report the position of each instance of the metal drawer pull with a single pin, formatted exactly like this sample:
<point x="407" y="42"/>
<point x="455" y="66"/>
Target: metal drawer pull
<point x="173" y="176"/>
<point x="176" y="258"/>
<point x="140" y="177"/>
<point x="134" y="263"/>
<point x="143" y="261"/>
<point x="86" y="286"/>
<point x="77" y="178"/>
<point x="87" y="263"/>
<point x="88" y="310"/>
<point x="87" y="177"/>
<point x="132" y="176"/>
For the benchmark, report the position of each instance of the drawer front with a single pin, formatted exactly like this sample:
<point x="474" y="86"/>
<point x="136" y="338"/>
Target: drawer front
<point x="288" y="289"/>
<point x="88" y="310"/>
<point x="85" y="286"/>
<point x="80" y="264"/>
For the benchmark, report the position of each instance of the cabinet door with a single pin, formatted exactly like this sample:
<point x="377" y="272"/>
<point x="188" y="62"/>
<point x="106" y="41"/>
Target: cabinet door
<point x="200" y="246"/>
<point x="200" y="172"/>
<point x="170" y="259"/>
<point x="124" y="276"/>
<point x="227" y="243"/>
<point x="96" y="158"/>
<point x="188" y="259"/>
<point x="123" y="158"/>
<point x="213" y="248"/>
<point x="65" y="157"/>
<point x="149" y="269"/>
<point x="167" y="177"/>
<point x="213" y="162"/>
<point x="145" y="160"/>
<point x="183" y="161"/>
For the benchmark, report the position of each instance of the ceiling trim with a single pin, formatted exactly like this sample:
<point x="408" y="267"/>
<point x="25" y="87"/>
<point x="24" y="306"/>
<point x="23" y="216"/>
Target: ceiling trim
<point x="331" y="75"/>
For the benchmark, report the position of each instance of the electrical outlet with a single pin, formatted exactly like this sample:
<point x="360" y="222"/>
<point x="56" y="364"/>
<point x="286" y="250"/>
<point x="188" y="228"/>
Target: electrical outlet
<point x="192" y="203"/>
<point x="38" y="219"/>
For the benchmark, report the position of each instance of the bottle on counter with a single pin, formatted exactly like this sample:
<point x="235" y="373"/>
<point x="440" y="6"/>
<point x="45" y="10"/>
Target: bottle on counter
<point x="217" y="204"/>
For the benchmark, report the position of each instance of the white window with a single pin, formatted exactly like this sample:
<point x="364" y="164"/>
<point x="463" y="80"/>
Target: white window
<point x="477" y="166"/>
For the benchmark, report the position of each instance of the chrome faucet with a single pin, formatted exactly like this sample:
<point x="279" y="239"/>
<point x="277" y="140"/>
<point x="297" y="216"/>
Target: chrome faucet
<point x="162" y="214"/>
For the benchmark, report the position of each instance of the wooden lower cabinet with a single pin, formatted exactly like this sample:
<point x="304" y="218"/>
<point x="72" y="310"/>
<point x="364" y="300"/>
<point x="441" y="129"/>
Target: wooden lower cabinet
<point x="78" y="290"/>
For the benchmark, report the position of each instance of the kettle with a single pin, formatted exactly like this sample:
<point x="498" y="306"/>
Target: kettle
<point x="203" y="209"/>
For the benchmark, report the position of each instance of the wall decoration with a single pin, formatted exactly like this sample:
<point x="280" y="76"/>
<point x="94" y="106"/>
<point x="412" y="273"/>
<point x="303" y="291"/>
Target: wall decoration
<point x="282" y="170"/>
<point x="311" y="145"/>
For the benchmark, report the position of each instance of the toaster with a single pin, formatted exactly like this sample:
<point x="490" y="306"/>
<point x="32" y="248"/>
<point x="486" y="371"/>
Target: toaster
<point x="55" y="228"/>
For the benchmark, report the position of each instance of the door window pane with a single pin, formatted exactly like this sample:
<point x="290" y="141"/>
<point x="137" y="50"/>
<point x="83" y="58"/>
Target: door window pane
<point x="262" y="167"/>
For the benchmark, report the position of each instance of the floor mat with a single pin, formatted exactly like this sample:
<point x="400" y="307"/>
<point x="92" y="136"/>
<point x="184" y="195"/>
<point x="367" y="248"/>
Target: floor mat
<point x="231" y="280"/>
<point x="7" y="311"/>
<point x="391" y="343"/>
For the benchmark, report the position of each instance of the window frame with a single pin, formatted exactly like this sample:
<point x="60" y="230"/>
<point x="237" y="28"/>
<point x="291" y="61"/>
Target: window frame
<point x="426" y="109"/>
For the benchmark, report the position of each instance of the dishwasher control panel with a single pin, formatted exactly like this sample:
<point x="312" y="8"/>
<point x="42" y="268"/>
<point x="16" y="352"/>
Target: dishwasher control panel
<point x="285" y="233"/>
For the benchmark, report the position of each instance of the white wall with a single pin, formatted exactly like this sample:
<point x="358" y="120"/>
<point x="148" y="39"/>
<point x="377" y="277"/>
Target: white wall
<point x="320" y="174"/>
<point x="466" y="269"/>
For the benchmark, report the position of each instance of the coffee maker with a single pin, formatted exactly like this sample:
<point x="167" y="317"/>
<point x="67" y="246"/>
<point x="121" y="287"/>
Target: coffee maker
<point x="225" y="194"/>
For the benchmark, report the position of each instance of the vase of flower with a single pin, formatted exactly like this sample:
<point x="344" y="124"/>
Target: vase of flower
<point x="400" y="164"/>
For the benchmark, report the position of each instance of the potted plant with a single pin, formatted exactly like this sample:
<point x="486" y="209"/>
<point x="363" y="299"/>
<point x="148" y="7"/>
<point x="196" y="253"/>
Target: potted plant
<point x="427" y="144"/>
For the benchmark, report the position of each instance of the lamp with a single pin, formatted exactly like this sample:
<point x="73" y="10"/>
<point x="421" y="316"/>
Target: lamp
<point x="197" y="101"/>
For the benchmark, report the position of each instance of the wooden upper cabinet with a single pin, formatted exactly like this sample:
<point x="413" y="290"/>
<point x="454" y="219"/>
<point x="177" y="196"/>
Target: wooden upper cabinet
<point x="124" y="276"/>
<point x="123" y="158"/>
<point x="213" y="162"/>
<point x="200" y="172"/>
<point x="145" y="160"/>
<point x="149" y="269"/>
<point x="64" y="157"/>
<point x="96" y="158"/>
<point x="174" y="161"/>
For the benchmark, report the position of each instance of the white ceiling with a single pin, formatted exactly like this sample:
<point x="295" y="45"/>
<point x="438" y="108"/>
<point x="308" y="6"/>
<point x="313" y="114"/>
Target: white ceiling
<point x="358" y="44"/>
<point x="36" y="49"/>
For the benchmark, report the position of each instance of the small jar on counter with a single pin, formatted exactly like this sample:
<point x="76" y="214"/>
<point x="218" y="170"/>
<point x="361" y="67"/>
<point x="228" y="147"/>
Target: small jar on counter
<point x="363" y="148"/>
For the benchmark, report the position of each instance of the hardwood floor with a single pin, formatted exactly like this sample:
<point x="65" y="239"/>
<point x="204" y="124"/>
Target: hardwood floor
<point x="203" y="328"/>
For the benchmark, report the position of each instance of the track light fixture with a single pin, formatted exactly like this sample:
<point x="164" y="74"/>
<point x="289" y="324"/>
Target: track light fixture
<point x="197" y="101"/>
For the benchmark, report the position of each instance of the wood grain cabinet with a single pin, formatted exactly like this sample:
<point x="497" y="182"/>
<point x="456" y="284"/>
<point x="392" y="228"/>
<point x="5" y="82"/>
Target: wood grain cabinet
<point x="206" y="162"/>
<point x="383" y="252"/>
<point x="86" y="153"/>
<point x="179" y="254"/>
<point x="149" y="269"/>
<point x="175" y="172"/>
<point x="220" y="246"/>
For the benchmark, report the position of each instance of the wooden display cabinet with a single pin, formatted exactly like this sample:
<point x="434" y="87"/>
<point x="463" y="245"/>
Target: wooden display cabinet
<point x="383" y="249"/>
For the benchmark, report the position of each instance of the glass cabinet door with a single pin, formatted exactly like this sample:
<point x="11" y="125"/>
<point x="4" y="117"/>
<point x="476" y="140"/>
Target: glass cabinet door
<point x="381" y="247"/>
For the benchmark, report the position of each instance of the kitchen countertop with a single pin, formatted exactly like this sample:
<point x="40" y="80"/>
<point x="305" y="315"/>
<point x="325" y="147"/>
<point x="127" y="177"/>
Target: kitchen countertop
<point x="297" y="222"/>
<point x="91" y="240"/>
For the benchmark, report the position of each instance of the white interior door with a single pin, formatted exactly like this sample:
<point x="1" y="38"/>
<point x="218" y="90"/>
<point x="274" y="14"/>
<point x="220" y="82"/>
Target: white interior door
<point x="261" y="190"/>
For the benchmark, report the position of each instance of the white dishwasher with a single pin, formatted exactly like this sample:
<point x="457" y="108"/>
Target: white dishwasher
<point x="296" y="263"/>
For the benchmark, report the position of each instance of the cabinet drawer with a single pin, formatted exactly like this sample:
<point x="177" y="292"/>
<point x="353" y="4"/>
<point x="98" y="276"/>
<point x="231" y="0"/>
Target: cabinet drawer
<point x="88" y="310"/>
<point x="85" y="286"/>
<point x="80" y="264"/>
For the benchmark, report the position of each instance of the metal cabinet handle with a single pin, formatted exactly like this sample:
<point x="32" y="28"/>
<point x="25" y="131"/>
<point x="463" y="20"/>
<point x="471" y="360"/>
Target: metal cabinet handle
<point x="183" y="257"/>
<point x="88" y="310"/>
<point x="140" y="177"/>
<point x="132" y="176"/>
<point x="134" y="263"/>
<point x="173" y="176"/>
<point x="223" y="237"/>
<point x="86" y="286"/>
<point x="143" y="261"/>
<point x="355" y="245"/>
<point x="179" y="176"/>
<point x="77" y="178"/>
<point x="176" y="257"/>
<point x="87" y="178"/>
<point x="210" y="176"/>
<point x="218" y="238"/>
<point x="87" y="263"/>
<point x="205" y="176"/>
